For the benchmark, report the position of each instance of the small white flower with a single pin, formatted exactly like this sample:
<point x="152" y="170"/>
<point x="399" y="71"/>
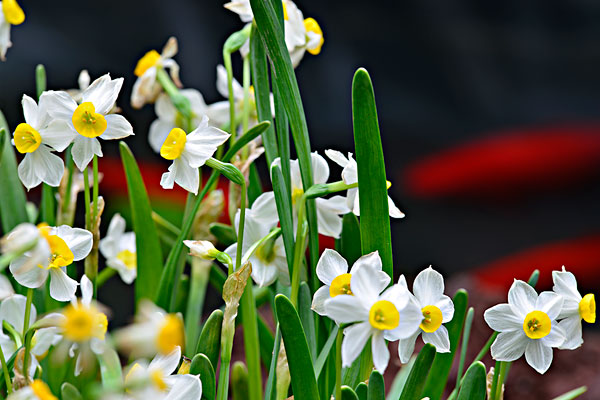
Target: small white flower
<point x="119" y="249"/>
<point x="36" y="138"/>
<point x="10" y="14"/>
<point x="387" y="316"/>
<point x="189" y="152"/>
<point x="350" y="176"/>
<point x="90" y="119"/>
<point x="527" y="324"/>
<point x="268" y="260"/>
<point x="332" y="270"/>
<point x="202" y="249"/>
<point x="65" y="245"/>
<point x="169" y="117"/>
<point x="146" y="88"/>
<point x="437" y="309"/>
<point x="155" y="381"/>
<point x="575" y="308"/>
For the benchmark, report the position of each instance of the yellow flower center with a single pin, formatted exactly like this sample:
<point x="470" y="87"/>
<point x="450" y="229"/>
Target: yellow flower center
<point x="388" y="184"/>
<point x="13" y="13"/>
<point x="148" y="61"/>
<point x="340" y="285"/>
<point x="158" y="380"/>
<point x="170" y="334"/>
<point x="296" y="193"/>
<point x="87" y="121"/>
<point x="266" y="251"/>
<point x="313" y="26"/>
<point x="537" y="324"/>
<point x="285" y="14"/>
<point x="384" y="315"/>
<point x="60" y="254"/>
<point x="41" y="390"/>
<point x="129" y="377"/>
<point x="83" y="323"/>
<point x="27" y="139"/>
<point x="432" y="318"/>
<point x="128" y="258"/>
<point x="174" y="144"/>
<point x="587" y="308"/>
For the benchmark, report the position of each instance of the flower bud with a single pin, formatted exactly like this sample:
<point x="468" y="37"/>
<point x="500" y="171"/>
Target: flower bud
<point x="202" y="249"/>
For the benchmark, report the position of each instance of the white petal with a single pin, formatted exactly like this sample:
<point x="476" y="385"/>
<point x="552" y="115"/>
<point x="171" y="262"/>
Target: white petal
<point x="565" y="284"/>
<point x="12" y="310"/>
<point x="372" y="262"/>
<point x="31" y="112"/>
<point x="79" y="240"/>
<point x="400" y="297"/>
<point x="406" y="347"/>
<point x="446" y="306"/>
<point x="43" y="339"/>
<point x="501" y="318"/>
<point x="117" y="127"/>
<point x="202" y="143"/>
<point x="197" y="103"/>
<point x="164" y="108"/>
<point x="331" y="265"/>
<point x="319" y="298"/>
<point x="263" y="274"/>
<point x="393" y="210"/>
<point x="87" y="290"/>
<point x="365" y="285"/>
<point x="381" y="354"/>
<point x="128" y="275"/>
<point x="168" y="362"/>
<point x="572" y="328"/>
<point x="6" y="288"/>
<point x="522" y="298"/>
<point x="556" y="336"/>
<point x="439" y="339"/>
<point x="337" y="157"/>
<point x="509" y="346"/>
<point x="28" y="172"/>
<point x="330" y="222"/>
<point x="222" y="85"/>
<point x="59" y="134"/>
<point x="410" y="319"/>
<point x="184" y="175"/>
<point x="159" y="130"/>
<point x="62" y="287"/>
<point x="428" y="286"/>
<point x="103" y="93"/>
<point x="59" y="104"/>
<point x="550" y="303"/>
<point x="84" y="149"/>
<point x="538" y="356"/>
<point x="48" y="166"/>
<point x="185" y="387"/>
<point x="345" y="309"/>
<point x="109" y="245"/>
<point x="355" y="338"/>
<point x="32" y="278"/>
<point x="320" y="168"/>
<point x="218" y="113"/>
<point x="264" y="209"/>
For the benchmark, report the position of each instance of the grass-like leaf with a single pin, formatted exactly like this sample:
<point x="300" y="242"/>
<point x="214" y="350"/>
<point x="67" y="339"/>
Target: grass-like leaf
<point x="474" y="383"/>
<point x="572" y="394"/>
<point x="110" y="369"/>
<point x="239" y="381"/>
<point x="348" y="393"/>
<point x="284" y="210"/>
<point x="69" y="392"/>
<point x="413" y="388"/>
<point x="350" y="247"/>
<point x="362" y="391"/>
<point x="202" y="366"/>
<point x="376" y="386"/>
<point x="209" y="343"/>
<point x="307" y="318"/>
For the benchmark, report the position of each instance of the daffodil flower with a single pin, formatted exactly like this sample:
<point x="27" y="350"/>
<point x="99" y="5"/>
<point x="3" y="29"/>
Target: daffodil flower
<point x="169" y="117"/>
<point x="10" y="14"/>
<point x="188" y="153"/>
<point x="36" y="138"/>
<point x="21" y="238"/>
<point x="437" y="309"/>
<point x="146" y="88"/>
<point x="329" y="211"/>
<point x="157" y="381"/>
<point x="527" y="324"/>
<point x="268" y="260"/>
<point x="89" y="120"/>
<point x="332" y="270"/>
<point x="350" y="176"/>
<point x="154" y="331"/>
<point x="118" y="247"/>
<point x="380" y="317"/>
<point x="37" y="390"/>
<point x="575" y="308"/>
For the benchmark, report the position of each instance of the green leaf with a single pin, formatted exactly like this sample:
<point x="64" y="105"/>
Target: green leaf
<point x="283" y="134"/>
<point x="210" y="337"/>
<point x="375" y="230"/>
<point x="149" y="258"/>
<point x="465" y="343"/>
<point x="362" y="391"/>
<point x="572" y="394"/>
<point x="350" y="247"/>
<point x="224" y="233"/>
<point x="200" y="269"/>
<point x="12" y="195"/>
<point x="254" y="185"/>
<point x="69" y="392"/>
<point x="48" y="205"/>
<point x="440" y="370"/>
<point x="307" y="318"/>
<point x="110" y="369"/>
<point x="202" y="366"/>
<point x="284" y="210"/>
<point x="376" y="386"/>
<point x="304" y="384"/>
<point x="348" y="393"/>
<point x="271" y="378"/>
<point x="40" y="80"/>
<point x="265" y="338"/>
<point x="400" y="380"/>
<point x="239" y="381"/>
<point x="413" y="388"/>
<point x="325" y="351"/>
<point x="474" y="383"/>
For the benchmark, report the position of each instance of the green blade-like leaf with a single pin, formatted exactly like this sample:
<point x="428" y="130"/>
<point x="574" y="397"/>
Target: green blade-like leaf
<point x="413" y="388"/>
<point x="239" y="381"/>
<point x="348" y="393"/>
<point x="304" y="384"/>
<point x="12" y="195"/>
<point x="376" y="386"/>
<point x="400" y="380"/>
<point x="284" y="210"/>
<point x="110" y="369"/>
<point x="209" y="343"/>
<point x="307" y="318"/>
<point x="572" y="394"/>
<point x="254" y="185"/>
<point x="325" y="350"/>
<point x="440" y="370"/>
<point x="271" y="377"/>
<point x="265" y="339"/>
<point x="202" y="366"/>
<point x="225" y="234"/>
<point x="474" y="383"/>
<point x="350" y="247"/>
<point x="69" y="392"/>
<point x="48" y="205"/>
<point x="150" y="260"/>
<point x="375" y="230"/>
<point x="283" y="133"/>
<point x="362" y="391"/>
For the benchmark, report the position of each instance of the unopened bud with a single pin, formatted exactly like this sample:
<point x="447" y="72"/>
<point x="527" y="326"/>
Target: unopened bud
<point x="202" y="249"/>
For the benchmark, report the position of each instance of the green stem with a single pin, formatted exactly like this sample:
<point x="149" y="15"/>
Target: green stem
<point x="299" y="249"/>
<point x="28" y="338"/>
<point x="501" y="376"/>
<point x="166" y="224"/>
<point x="229" y="68"/>
<point x="12" y="332"/>
<point x="104" y="276"/>
<point x="246" y="109"/>
<point x="5" y="372"/>
<point x="181" y="103"/>
<point x="66" y="200"/>
<point x="27" y="316"/>
<point x="227" y="346"/>
<point x="197" y="293"/>
<point x="240" y="238"/>
<point x="273" y="234"/>
<point x="464" y="345"/>
<point x="497" y="368"/>
<point x="86" y="195"/>
<point x="95" y="189"/>
<point x="338" y="365"/>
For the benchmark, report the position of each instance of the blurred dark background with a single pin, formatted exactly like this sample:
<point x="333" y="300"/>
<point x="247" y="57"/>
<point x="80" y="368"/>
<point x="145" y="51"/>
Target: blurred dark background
<point x="489" y="112"/>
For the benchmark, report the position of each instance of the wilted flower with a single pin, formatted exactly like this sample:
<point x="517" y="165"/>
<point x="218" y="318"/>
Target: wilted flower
<point x="118" y="247"/>
<point x="10" y="14"/>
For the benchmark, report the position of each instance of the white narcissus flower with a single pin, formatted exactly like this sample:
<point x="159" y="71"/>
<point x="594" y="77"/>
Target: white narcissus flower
<point x="10" y="14"/>
<point x="188" y="153"/>
<point x="36" y="390"/>
<point x="169" y="117"/>
<point x="89" y="120"/>
<point x="437" y="309"/>
<point x="146" y="88"/>
<point x="36" y="138"/>
<point x="66" y="246"/>
<point x="269" y="262"/>
<point x="154" y="331"/>
<point x="329" y="211"/>
<point x="332" y="270"/>
<point x="386" y="316"/>
<point x="350" y="177"/>
<point x="575" y="308"/>
<point x="22" y="237"/>
<point x="527" y="324"/>
<point x="118" y="247"/>
<point x="156" y="380"/>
